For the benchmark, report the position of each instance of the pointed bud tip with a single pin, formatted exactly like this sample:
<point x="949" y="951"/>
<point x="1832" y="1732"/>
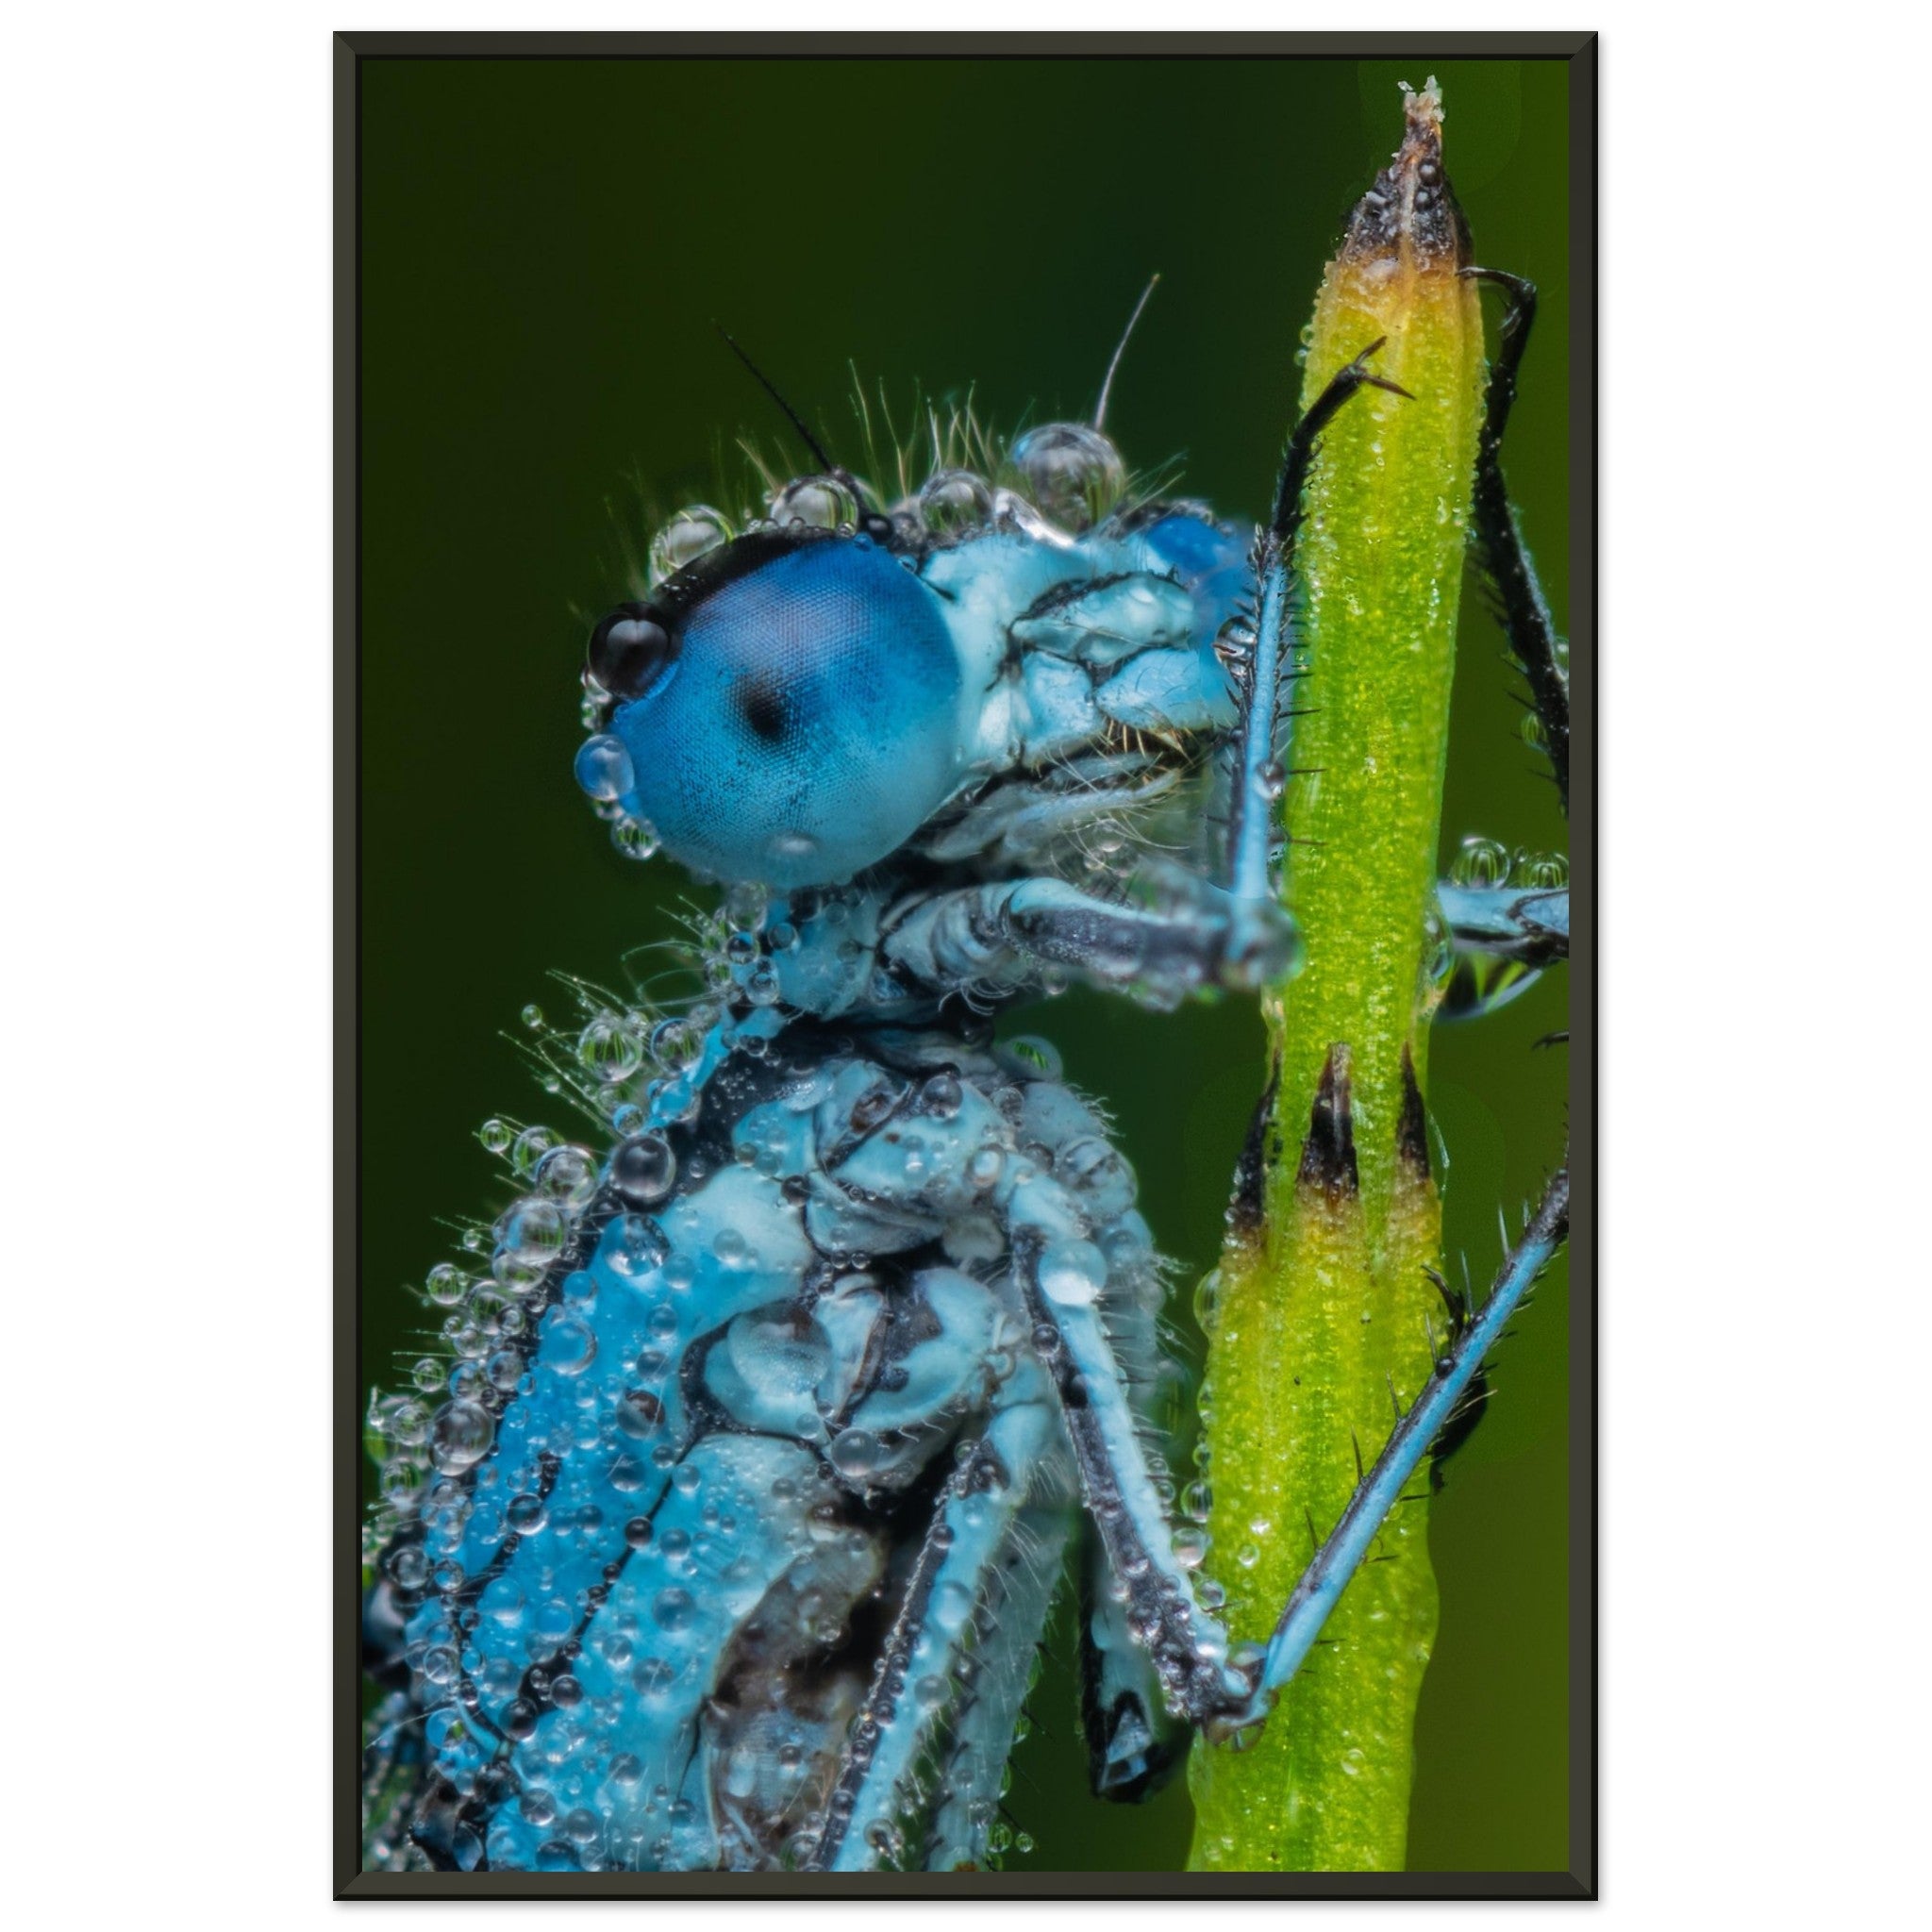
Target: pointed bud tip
<point x="1412" y="211"/>
<point x="1328" y="1153"/>
<point x="1259" y="1155"/>
<point x="1423" y="112"/>
<point x="1412" y="1128"/>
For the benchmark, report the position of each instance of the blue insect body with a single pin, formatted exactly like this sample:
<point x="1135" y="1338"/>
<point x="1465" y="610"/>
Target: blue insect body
<point x="778" y="1420"/>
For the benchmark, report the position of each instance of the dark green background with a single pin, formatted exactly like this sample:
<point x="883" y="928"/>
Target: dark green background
<point x="546" y="246"/>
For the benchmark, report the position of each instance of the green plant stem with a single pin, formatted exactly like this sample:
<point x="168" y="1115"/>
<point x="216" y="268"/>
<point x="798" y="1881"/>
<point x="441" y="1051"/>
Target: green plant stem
<point x="1323" y="1294"/>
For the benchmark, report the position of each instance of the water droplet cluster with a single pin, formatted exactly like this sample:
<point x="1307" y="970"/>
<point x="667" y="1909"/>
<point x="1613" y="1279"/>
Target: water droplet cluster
<point x="1480" y="862"/>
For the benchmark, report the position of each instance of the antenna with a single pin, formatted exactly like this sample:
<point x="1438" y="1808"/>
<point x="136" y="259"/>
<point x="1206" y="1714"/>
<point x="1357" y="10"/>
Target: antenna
<point x="827" y="466"/>
<point x="1106" y="387"/>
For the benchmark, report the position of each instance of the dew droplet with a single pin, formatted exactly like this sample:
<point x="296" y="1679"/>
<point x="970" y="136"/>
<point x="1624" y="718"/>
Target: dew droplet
<point x="854" y="1454"/>
<point x="568" y="1174"/>
<point x="1191" y="1547"/>
<point x="1480" y="862"/>
<point x="692" y="533"/>
<point x="527" y="1513"/>
<point x="446" y="1284"/>
<point x="603" y="768"/>
<point x="818" y="503"/>
<point x="460" y="1434"/>
<point x="644" y="1170"/>
<point x="1542" y="872"/>
<point x="942" y="1096"/>
<point x="953" y="502"/>
<point x="1040" y="1058"/>
<point x="612" y="1046"/>
<point x="675" y="1044"/>
<point x="532" y="1231"/>
<point x="675" y="1609"/>
<point x="635" y="838"/>
<point x="1207" y="1302"/>
<point x="569" y="1347"/>
<point x="985" y="1167"/>
<point x="1072" y="1272"/>
<point x="409" y="1567"/>
<point x="1070" y="471"/>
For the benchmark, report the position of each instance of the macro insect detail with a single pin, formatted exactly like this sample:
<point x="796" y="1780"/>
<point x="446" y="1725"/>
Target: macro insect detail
<point x="777" y="1409"/>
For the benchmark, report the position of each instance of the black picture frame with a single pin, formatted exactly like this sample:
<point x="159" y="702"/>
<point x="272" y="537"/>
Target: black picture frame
<point x="353" y="52"/>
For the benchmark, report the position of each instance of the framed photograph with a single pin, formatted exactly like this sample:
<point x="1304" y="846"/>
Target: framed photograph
<point x="966" y="674"/>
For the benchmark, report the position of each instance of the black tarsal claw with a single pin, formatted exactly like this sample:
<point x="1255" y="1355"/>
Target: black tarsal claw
<point x="1364" y="375"/>
<point x="1358" y="369"/>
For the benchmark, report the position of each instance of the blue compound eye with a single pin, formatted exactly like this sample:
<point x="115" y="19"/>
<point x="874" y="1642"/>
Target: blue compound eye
<point x="793" y="713"/>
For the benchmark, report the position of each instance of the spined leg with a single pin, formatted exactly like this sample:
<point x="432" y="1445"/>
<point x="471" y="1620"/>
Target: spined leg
<point x="972" y="1772"/>
<point x="1133" y="1741"/>
<point x="1059" y="1275"/>
<point x="1002" y="939"/>
<point x="920" y="1684"/>
<point x="1251" y="832"/>
<point x="1498" y="534"/>
<point x="1341" y="1554"/>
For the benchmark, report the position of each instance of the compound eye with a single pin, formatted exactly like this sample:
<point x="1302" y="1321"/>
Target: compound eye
<point x="807" y="723"/>
<point x="630" y="650"/>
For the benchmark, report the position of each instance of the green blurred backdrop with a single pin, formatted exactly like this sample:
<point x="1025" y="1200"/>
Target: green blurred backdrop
<point x="545" y="248"/>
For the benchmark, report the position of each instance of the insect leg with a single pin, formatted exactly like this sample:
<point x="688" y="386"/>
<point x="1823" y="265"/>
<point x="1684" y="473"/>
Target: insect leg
<point x="1498" y="533"/>
<point x="973" y="1772"/>
<point x="1133" y="1741"/>
<point x="1341" y="1554"/>
<point x="1251" y="828"/>
<point x="1532" y="927"/>
<point x="1058" y="1274"/>
<point x="1005" y="937"/>
<point x="924" y="1668"/>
